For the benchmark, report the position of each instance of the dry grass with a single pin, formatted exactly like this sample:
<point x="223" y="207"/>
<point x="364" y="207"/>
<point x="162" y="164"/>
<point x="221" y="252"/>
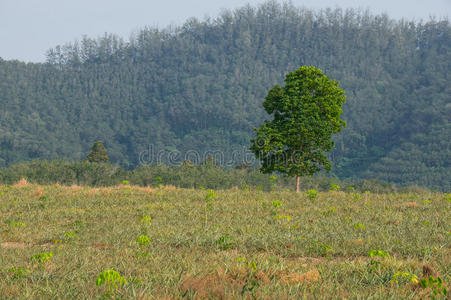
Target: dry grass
<point x="248" y="249"/>
<point x="304" y="278"/>
<point x="13" y="245"/>
<point x="21" y="183"/>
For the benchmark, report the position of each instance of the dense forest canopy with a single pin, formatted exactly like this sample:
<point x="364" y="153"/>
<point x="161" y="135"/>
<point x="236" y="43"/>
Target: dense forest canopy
<point x="200" y="86"/>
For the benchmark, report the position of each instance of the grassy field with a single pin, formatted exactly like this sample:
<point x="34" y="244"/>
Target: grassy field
<point x="174" y="243"/>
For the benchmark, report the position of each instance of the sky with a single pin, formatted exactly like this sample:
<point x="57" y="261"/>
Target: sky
<point x="28" y="28"/>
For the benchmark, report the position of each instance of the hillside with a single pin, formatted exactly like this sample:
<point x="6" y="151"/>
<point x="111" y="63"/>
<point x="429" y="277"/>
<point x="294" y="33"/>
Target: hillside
<point x="200" y="87"/>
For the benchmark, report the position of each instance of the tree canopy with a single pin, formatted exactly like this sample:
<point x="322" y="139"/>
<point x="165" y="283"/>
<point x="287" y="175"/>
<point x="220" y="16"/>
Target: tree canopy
<point x="306" y="112"/>
<point x="98" y="153"/>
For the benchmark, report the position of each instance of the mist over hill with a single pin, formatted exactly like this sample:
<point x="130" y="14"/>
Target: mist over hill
<point x="200" y="86"/>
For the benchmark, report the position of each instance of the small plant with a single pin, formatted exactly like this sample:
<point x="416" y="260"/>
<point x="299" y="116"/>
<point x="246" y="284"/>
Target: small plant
<point x="225" y="242"/>
<point x="359" y="227"/>
<point x="330" y="210"/>
<point x="146" y="220"/>
<point x="58" y="242"/>
<point x="252" y="281"/>
<point x="276" y="204"/>
<point x="356" y="196"/>
<point x="378" y="253"/>
<point x="436" y="285"/>
<point x="334" y="187"/>
<point x="375" y="264"/>
<point x="159" y="181"/>
<point x="447" y="197"/>
<point x="404" y="276"/>
<point x="209" y="203"/>
<point x="42" y="257"/>
<point x="321" y="249"/>
<point x="426" y="223"/>
<point x="143" y="240"/>
<point x="69" y="236"/>
<point x="281" y="217"/>
<point x="125" y="182"/>
<point x="147" y="223"/>
<point x="245" y="187"/>
<point x="112" y="280"/>
<point x="19" y="224"/>
<point x="18" y="273"/>
<point x="273" y="182"/>
<point x="312" y="195"/>
<point x="44" y="198"/>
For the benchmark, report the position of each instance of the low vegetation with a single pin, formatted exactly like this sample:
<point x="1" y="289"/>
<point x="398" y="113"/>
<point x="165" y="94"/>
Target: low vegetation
<point x="207" y="175"/>
<point x="139" y="242"/>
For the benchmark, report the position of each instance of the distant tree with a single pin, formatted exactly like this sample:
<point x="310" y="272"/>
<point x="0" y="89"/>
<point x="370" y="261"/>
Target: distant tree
<point x="98" y="153"/>
<point x="306" y="113"/>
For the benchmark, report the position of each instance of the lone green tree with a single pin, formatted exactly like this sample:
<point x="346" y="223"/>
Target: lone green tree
<point x="98" y="153"/>
<point x="306" y="112"/>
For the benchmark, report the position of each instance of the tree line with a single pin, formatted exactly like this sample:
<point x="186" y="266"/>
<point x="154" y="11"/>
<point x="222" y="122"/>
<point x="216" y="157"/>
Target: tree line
<point x="199" y="86"/>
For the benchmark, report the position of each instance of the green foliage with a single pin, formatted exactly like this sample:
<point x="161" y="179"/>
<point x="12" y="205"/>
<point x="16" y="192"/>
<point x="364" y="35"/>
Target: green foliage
<point x="112" y="280"/>
<point x="436" y="284"/>
<point x="211" y="195"/>
<point x="378" y="253"/>
<point x="197" y="176"/>
<point x="306" y="112"/>
<point x="334" y="187"/>
<point x="225" y="242"/>
<point x="359" y="227"/>
<point x="98" y="153"/>
<point x="330" y="210"/>
<point x="404" y="276"/>
<point x="143" y="240"/>
<point x="312" y="195"/>
<point x="18" y="272"/>
<point x="276" y="204"/>
<point x="393" y="71"/>
<point x="356" y="196"/>
<point x="146" y="220"/>
<point x="44" y="198"/>
<point x="42" y="257"/>
<point x="69" y="236"/>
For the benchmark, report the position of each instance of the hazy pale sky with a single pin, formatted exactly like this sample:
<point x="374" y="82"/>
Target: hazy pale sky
<point x="28" y="28"/>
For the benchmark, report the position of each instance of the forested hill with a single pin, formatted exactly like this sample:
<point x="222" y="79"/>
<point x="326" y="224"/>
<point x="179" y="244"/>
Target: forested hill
<point x="200" y="87"/>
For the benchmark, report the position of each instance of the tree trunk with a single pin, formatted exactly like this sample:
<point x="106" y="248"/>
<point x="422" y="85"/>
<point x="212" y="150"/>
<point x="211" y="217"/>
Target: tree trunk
<point x="297" y="183"/>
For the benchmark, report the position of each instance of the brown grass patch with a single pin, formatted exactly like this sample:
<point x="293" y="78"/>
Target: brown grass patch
<point x="76" y="187"/>
<point x="38" y="192"/>
<point x="146" y="189"/>
<point x="13" y="245"/>
<point x="21" y="183"/>
<point x="307" y="277"/>
<point x="170" y="187"/>
<point x="206" y="286"/>
<point x="429" y="271"/>
<point x="357" y="242"/>
<point x="408" y="205"/>
<point x="308" y="260"/>
<point x="93" y="191"/>
<point x="214" y="285"/>
<point x="101" y="246"/>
